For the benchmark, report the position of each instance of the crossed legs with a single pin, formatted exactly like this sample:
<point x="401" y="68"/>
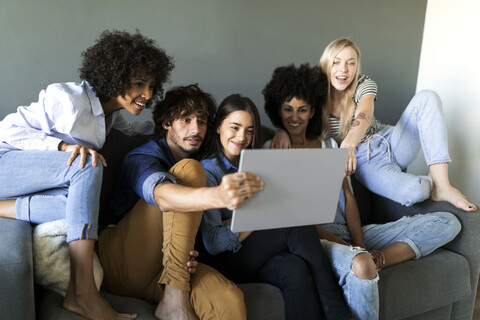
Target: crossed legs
<point x="145" y="256"/>
<point x="33" y="172"/>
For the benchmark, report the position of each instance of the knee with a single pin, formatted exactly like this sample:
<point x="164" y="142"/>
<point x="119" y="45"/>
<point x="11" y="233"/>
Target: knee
<point x="235" y="305"/>
<point x="189" y="172"/>
<point x="415" y="190"/>
<point x="96" y="172"/>
<point x="451" y="223"/>
<point x="428" y="94"/>
<point x="363" y="267"/>
<point x="430" y="99"/>
<point x="288" y="272"/>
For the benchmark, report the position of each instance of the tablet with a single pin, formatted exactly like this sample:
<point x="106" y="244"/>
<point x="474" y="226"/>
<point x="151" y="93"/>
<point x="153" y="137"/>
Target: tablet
<point x="302" y="187"/>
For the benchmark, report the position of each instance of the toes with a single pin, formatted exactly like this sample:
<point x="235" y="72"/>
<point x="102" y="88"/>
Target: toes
<point x="465" y="205"/>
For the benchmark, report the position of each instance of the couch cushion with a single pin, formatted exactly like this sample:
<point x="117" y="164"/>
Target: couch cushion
<point x="263" y="301"/>
<point x="16" y="270"/>
<point x="420" y="285"/>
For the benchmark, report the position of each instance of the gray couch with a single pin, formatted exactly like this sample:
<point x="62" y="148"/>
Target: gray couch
<point x="440" y="286"/>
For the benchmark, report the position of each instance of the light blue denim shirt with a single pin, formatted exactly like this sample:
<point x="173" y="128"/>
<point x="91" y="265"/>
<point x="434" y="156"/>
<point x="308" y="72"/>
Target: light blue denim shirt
<point x="216" y="237"/>
<point x="69" y="112"/>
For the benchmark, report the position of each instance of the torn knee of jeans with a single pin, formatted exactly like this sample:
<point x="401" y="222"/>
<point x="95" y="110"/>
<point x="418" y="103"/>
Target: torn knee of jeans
<point x="363" y="266"/>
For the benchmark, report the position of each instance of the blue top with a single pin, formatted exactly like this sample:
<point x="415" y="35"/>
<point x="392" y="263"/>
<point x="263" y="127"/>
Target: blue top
<point x="142" y="169"/>
<point x="216" y="237"/>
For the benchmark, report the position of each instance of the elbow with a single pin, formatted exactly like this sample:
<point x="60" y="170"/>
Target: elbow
<point x="163" y="204"/>
<point x="212" y="249"/>
<point x="212" y="244"/>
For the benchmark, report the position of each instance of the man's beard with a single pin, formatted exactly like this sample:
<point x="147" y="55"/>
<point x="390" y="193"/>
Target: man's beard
<point x="174" y="138"/>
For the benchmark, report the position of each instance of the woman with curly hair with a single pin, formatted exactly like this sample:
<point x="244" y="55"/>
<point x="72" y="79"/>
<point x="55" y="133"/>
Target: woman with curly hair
<point x="48" y="150"/>
<point x="291" y="88"/>
<point x="356" y="252"/>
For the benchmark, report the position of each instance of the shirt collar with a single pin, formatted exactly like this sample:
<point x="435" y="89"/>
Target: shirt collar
<point x="227" y="166"/>
<point x="97" y="109"/>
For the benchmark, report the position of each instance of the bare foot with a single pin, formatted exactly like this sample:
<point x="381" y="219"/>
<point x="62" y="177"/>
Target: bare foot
<point x="93" y="306"/>
<point x="175" y="305"/>
<point x="453" y="196"/>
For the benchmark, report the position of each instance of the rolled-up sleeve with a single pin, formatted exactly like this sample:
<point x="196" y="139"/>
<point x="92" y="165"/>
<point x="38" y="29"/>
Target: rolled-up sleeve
<point x="143" y="173"/>
<point x="216" y="237"/>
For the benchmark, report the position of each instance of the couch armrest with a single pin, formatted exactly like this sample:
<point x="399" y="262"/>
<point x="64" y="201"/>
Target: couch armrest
<point x="17" y="299"/>
<point x="467" y="242"/>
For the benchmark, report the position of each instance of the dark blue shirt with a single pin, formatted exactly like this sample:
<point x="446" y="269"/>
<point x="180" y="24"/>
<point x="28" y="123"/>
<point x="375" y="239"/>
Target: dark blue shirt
<point x="142" y="169"/>
<point x="216" y="237"/>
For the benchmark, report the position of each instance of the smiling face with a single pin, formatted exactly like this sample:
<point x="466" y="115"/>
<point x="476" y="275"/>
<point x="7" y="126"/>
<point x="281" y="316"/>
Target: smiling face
<point x="344" y="69"/>
<point x="185" y="135"/>
<point x="236" y="133"/>
<point x="137" y="96"/>
<point x="295" y="115"/>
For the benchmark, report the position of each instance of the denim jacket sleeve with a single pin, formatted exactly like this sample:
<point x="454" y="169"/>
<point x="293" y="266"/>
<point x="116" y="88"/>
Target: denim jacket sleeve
<point x="216" y="237"/>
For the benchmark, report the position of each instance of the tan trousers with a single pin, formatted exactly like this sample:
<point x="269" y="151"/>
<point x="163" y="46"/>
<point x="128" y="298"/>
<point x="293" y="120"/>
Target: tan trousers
<point x="148" y="248"/>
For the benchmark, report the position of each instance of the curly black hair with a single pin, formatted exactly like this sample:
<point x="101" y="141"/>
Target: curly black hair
<point x="118" y="56"/>
<point x="305" y="83"/>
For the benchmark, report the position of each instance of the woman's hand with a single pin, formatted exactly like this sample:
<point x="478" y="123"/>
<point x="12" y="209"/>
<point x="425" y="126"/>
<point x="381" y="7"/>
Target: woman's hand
<point x="280" y="140"/>
<point x="351" y="160"/>
<point x="76" y="149"/>
<point x="378" y="258"/>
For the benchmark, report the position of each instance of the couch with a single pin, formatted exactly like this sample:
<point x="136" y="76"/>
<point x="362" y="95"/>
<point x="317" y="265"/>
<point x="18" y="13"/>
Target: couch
<point x="439" y="286"/>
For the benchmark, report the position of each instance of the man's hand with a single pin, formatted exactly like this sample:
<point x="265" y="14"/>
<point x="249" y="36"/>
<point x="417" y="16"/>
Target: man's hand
<point x="237" y="188"/>
<point x="76" y="149"/>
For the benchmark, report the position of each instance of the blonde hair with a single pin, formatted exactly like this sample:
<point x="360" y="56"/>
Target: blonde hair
<point x="347" y="104"/>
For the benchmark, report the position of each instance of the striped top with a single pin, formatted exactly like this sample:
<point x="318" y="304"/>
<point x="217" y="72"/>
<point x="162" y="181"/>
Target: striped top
<point x="365" y="86"/>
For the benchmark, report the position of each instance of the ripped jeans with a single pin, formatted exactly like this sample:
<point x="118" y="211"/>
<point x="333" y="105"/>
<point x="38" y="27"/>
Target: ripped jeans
<point x="423" y="233"/>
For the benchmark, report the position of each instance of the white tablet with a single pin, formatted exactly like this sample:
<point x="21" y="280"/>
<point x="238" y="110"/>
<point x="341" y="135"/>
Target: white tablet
<point x="302" y="187"/>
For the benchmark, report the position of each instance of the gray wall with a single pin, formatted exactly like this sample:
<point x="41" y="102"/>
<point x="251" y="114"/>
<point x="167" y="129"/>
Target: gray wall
<point x="226" y="46"/>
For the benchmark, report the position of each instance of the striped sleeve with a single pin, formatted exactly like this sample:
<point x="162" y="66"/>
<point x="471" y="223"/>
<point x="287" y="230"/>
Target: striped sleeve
<point x="365" y="86"/>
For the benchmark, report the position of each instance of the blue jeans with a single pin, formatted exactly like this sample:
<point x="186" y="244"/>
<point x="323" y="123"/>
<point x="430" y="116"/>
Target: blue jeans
<point x="47" y="189"/>
<point x="382" y="158"/>
<point x="423" y="233"/>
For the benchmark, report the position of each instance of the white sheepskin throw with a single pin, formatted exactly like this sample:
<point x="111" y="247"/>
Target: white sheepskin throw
<point x="51" y="258"/>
